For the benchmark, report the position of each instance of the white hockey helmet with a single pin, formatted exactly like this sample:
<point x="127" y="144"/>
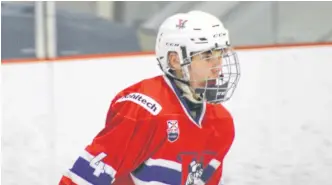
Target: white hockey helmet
<point x="193" y="33"/>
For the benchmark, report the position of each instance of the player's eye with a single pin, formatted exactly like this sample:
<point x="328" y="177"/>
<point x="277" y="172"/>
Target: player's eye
<point x="206" y="56"/>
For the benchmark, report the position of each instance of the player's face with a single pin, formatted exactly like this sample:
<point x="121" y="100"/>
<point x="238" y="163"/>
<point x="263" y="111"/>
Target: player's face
<point x="206" y="65"/>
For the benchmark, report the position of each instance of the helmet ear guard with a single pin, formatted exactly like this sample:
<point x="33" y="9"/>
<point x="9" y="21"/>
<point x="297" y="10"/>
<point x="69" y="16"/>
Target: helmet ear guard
<point x="170" y="72"/>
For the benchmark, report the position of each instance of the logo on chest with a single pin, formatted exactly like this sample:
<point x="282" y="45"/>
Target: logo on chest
<point x="173" y="130"/>
<point x="197" y="167"/>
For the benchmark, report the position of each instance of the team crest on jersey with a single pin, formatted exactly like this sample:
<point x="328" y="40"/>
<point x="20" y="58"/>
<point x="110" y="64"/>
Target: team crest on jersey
<point x="197" y="167"/>
<point x="173" y="130"/>
<point x="195" y="173"/>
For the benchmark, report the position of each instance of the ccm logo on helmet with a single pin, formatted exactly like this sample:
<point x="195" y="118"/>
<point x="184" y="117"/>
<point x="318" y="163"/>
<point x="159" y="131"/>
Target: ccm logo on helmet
<point x="145" y="101"/>
<point x="172" y="44"/>
<point x="219" y="35"/>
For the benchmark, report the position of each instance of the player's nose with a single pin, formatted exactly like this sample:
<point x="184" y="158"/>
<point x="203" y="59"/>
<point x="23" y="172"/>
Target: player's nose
<point x="216" y="70"/>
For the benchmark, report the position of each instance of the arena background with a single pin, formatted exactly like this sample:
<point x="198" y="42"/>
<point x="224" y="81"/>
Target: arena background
<point x="61" y="60"/>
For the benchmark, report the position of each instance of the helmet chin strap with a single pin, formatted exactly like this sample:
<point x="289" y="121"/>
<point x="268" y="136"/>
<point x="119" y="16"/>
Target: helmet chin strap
<point x="189" y="93"/>
<point x="184" y="84"/>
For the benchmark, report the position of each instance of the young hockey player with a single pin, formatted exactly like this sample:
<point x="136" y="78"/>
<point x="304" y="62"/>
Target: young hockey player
<point x="169" y="129"/>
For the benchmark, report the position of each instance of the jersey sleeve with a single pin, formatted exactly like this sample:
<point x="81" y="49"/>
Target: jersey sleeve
<point x="117" y="150"/>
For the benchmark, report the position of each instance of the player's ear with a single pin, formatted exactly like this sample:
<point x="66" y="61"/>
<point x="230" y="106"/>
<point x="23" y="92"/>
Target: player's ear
<point x="174" y="60"/>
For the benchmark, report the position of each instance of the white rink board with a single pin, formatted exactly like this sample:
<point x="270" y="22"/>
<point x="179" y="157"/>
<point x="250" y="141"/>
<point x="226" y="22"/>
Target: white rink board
<point x="282" y="110"/>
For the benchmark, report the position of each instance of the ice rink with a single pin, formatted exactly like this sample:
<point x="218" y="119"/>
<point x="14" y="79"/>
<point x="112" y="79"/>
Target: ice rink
<point x="282" y="111"/>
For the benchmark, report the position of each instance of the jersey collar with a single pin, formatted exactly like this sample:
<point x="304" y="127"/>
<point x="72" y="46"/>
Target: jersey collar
<point x="198" y="119"/>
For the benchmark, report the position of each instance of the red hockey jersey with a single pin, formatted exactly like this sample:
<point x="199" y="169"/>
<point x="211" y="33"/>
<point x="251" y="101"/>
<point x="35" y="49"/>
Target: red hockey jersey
<point x="151" y="138"/>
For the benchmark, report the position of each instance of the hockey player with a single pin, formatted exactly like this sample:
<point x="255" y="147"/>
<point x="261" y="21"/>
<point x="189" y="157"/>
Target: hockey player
<point x="169" y="129"/>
